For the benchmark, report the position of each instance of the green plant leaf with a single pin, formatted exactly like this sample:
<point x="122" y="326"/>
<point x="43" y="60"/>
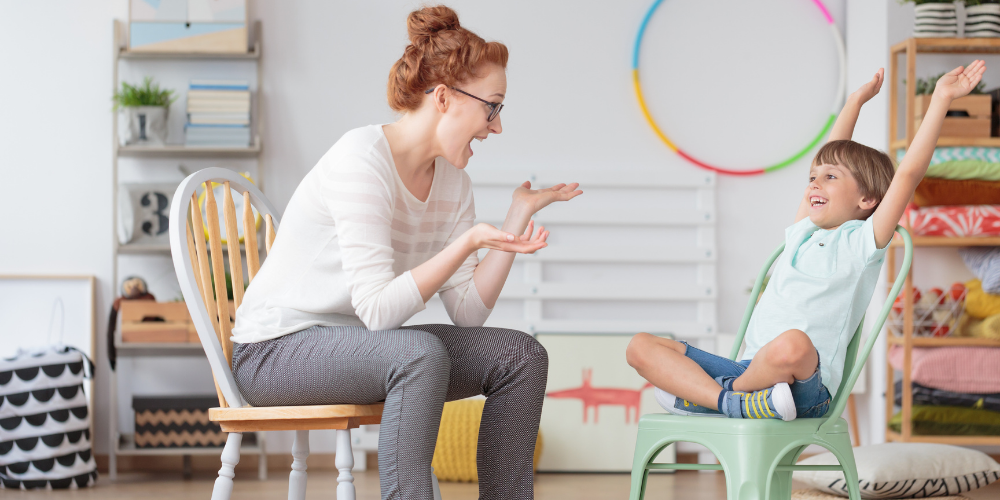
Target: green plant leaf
<point x="147" y="94"/>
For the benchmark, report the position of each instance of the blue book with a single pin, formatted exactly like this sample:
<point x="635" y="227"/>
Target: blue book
<point x="219" y="85"/>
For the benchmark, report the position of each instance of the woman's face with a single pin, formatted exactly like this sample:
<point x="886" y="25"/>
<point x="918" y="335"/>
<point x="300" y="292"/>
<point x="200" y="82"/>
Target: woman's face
<point x="465" y="118"/>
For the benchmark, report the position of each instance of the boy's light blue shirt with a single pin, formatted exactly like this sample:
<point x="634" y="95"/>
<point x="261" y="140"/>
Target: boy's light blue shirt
<point x="821" y="284"/>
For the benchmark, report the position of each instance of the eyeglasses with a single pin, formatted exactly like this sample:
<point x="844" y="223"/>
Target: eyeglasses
<point x="495" y="107"/>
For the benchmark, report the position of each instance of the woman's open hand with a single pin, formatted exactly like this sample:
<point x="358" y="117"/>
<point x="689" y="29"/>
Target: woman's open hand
<point x="483" y="235"/>
<point x="537" y="199"/>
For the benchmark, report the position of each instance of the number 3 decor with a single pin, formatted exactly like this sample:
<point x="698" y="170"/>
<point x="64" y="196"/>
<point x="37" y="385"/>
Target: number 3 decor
<point x="144" y="213"/>
<point x="722" y="170"/>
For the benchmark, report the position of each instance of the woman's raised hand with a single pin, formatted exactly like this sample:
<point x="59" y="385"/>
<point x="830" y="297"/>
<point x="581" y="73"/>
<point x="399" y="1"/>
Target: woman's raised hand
<point x="537" y="199"/>
<point x="486" y="236"/>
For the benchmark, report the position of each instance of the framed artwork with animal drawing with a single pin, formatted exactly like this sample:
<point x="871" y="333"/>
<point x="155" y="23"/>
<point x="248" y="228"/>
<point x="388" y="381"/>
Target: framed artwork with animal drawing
<point x="593" y="401"/>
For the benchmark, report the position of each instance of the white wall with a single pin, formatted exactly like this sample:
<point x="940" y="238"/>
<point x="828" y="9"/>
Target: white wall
<point x="55" y="148"/>
<point x="745" y="89"/>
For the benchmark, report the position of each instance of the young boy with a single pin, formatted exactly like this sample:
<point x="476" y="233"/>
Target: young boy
<point x="797" y="338"/>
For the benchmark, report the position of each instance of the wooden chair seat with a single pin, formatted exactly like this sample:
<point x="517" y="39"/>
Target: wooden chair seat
<point x="292" y="418"/>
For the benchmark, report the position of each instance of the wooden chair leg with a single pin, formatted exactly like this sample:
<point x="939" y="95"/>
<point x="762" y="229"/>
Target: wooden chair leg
<point x="230" y="457"/>
<point x="852" y="414"/>
<point x="297" y="478"/>
<point x="345" y="462"/>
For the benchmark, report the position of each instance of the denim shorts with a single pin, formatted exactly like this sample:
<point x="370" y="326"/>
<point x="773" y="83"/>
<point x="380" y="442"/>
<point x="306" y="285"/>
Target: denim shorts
<point x="812" y="398"/>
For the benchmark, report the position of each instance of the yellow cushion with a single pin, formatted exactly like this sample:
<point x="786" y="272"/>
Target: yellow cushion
<point x="455" y="453"/>
<point x="978" y="303"/>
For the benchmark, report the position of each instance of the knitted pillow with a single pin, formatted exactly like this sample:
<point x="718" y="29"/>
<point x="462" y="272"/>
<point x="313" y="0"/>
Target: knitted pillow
<point x="906" y="470"/>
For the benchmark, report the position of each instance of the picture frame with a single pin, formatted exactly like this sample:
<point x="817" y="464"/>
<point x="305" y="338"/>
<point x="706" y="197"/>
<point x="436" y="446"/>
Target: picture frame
<point x="27" y="314"/>
<point x="593" y="401"/>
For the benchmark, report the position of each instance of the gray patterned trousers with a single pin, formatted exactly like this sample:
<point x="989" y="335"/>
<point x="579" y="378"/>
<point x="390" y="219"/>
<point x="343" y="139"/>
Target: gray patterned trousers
<point x="414" y="370"/>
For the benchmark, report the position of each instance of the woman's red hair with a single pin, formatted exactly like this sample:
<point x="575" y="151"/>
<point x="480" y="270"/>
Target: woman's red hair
<point x="440" y="52"/>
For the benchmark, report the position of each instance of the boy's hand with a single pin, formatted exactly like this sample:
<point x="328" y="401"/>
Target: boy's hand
<point x="870" y="89"/>
<point x="960" y="81"/>
<point x="843" y="128"/>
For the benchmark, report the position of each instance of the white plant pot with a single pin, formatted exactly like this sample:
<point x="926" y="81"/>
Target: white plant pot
<point x="142" y="125"/>
<point x="982" y="21"/>
<point x="935" y="20"/>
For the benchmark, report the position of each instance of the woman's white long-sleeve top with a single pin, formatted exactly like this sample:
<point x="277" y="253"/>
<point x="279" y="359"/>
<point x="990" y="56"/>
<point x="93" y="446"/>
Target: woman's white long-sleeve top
<point x="348" y="239"/>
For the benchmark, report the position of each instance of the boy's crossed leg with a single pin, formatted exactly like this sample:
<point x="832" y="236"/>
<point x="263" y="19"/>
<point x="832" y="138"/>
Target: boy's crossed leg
<point x="704" y="382"/>
<point x="789" y="357"/>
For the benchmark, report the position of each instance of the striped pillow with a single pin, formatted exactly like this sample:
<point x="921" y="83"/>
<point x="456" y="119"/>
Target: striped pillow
<point x="906" y="470"/>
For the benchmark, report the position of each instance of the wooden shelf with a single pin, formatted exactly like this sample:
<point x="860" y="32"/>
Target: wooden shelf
<point x="891" y="435"/>
<point x="992" y="142"/>
<point x="949" y="241"/>
<point x="911" y="48"/>
<point x="144" y="349"/>
<point x="950" y="45"/>
<point x="127" y="447"/>
<point x="944" y="341"/>
<point x="242" y="63"/>
<point x="252" y="53"/>
<point x="174" y="150"/>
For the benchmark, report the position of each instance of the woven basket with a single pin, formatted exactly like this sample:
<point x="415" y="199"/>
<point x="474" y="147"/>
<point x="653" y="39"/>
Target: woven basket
<point x="455" y="454"/>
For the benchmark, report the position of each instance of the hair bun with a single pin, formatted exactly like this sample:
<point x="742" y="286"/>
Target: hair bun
<point x="425" y="23"/>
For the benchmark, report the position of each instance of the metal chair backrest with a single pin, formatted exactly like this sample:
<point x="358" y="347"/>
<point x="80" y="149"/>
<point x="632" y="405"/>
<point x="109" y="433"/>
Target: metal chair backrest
<point x="852" y="363"/>
<point x="198" y="264"/>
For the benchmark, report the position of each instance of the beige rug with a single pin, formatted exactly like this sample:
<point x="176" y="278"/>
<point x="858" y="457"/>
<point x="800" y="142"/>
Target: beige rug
<point x="819" y="495"/>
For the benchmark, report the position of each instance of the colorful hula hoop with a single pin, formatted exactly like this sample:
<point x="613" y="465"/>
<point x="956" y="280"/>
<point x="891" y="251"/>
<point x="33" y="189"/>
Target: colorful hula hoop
<point x="829" y="122"/>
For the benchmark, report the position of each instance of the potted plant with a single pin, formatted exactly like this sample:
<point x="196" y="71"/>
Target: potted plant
<point x="934" y="18"/>
<point x="142" y="112"/>
<point x="982" y="18"/>
<point x="968" y="116"/>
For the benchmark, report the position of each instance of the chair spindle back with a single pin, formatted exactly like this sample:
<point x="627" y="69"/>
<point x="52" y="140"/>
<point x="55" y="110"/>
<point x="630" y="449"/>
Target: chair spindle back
<point x="206" y="260"/>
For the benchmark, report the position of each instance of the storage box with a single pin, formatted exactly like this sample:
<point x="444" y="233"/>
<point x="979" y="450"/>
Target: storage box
<point x="197" y="26"/>
<point x="977" y="124"/>
<point x="148" y="321"/>
<point x="176" y="422"/>
<point x="962" y="127"/>
<point x="978" y="106"/>
<point x="160" y="322"/>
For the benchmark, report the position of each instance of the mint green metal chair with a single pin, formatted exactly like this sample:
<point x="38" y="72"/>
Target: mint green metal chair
<point x="758" y="456"/>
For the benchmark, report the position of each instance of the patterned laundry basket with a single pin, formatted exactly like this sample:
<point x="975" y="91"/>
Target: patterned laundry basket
<point x="45" y="439"/>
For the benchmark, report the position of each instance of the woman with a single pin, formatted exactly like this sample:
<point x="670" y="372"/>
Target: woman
<point x="380" y="224"/>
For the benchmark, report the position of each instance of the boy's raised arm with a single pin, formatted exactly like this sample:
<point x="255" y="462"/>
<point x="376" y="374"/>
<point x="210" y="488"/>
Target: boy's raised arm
<point x="843" y="128"/>
<point x="954" y="84"/>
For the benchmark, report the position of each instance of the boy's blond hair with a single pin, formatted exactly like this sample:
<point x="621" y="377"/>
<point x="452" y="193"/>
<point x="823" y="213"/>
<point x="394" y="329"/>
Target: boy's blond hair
<point x="871" y="168"/>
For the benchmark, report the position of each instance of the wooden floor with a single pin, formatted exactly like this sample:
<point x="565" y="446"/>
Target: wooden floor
<point x="687" y="485"/>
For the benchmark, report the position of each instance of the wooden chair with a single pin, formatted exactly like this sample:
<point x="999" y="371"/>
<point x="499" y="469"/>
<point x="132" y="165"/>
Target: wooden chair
<point x="192" y="259"/>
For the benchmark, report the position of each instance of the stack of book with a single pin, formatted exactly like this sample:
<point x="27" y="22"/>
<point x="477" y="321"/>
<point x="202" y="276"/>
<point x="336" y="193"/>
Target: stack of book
<point x="218" y="113"/>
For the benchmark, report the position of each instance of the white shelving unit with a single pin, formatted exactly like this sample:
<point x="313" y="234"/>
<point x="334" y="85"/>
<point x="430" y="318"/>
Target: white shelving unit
<point x="123" y="444"/>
